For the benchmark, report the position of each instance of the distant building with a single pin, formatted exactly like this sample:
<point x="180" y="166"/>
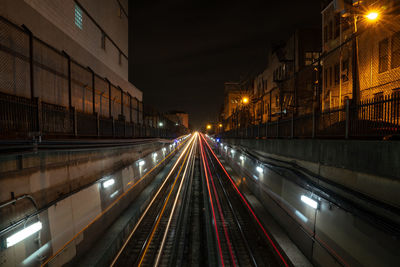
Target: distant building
<point x="179" y="118"/>
<point x="232" y="97"/>
<point x="378" y="51"/>
<point x="286" y="86"/>
<point x="93" y="33"/>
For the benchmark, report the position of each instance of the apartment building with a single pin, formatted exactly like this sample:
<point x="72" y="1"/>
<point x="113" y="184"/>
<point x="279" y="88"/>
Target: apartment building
<point x="287" y="85"/>
<point x="350" y="38"/>
<point x="92" y="33"/>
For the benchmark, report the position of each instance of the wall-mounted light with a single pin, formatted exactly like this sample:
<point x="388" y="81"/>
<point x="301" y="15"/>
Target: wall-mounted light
<point x="24" y="233"/>
<point x="141" y="163"/>
<point x="259" y="169"/>
<point x="310" y="202"/>
<point x="108" y="183"/>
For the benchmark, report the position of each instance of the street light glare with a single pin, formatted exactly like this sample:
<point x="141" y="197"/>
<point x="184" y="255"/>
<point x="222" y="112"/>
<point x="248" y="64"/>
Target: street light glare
<point x="372" y="15"/>
<point x="245" y="100"/>
<point x="209" y="126"/>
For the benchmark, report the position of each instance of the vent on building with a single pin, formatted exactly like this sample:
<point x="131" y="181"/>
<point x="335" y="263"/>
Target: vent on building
<point x="78" y="17"/>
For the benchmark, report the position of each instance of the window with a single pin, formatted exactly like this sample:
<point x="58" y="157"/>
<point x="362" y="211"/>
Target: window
<point x="311" y="57"/>
<point x="337" y="74"/>
<point x="383" y="55"/>
<point x="78" y="17"/>
<point x="345" y="70"/>
<point x="396" y="50"/>
<point x="337" y="26"/>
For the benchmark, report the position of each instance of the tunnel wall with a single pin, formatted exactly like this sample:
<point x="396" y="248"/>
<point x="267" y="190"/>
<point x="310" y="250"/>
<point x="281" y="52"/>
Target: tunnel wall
<point x="47" y="176"/>
<point x="73" y="217"/>
<point x="369" y="167"/>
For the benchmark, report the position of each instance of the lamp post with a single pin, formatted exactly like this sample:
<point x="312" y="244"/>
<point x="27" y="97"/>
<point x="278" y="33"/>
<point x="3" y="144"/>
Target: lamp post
<point x="371" y="16"/>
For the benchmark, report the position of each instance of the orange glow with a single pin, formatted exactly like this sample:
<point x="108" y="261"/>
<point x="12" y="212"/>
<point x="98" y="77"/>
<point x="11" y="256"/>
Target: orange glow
<point x="208" y="126"/>
<point x="245" y="100"/>
<point x="372" y="16"/>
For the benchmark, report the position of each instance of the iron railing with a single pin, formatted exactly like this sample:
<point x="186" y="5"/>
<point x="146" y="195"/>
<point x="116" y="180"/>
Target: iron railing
<point x="374" y="118"/>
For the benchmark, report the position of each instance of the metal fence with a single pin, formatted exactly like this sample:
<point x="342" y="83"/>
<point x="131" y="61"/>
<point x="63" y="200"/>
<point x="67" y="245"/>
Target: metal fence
<point x="43" y="91"/>
<point x="375" y="118"/>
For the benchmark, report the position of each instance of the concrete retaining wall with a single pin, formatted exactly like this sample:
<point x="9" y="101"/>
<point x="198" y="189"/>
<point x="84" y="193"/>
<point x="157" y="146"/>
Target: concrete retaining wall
<point x="369" y="167"/>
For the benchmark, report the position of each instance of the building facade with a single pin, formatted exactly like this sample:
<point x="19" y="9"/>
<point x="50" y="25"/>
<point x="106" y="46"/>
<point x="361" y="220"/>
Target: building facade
<point x="373" y="46"/>
<point x="287" y="86"/>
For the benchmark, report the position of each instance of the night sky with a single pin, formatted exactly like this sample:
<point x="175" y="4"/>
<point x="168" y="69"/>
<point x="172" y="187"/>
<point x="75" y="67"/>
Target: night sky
<point x="182" y="52"/>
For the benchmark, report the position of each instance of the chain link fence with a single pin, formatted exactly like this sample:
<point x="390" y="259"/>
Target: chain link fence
<point x="45" y="92"/>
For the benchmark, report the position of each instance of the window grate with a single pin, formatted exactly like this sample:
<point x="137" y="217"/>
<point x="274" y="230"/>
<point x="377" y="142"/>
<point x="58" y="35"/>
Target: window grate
<point x="78" y="17"/>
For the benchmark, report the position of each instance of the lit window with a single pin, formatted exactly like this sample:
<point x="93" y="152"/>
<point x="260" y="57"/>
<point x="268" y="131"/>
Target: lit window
<point x="78" y="17"/>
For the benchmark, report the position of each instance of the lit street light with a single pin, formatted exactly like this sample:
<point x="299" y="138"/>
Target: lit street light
<point x="160" y="124"/>
<point x="208" y="126"/>
<point x="245" y="100"/>
<point x="372" y="16"/>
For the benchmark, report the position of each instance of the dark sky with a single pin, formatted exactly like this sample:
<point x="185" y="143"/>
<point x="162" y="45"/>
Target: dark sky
<point x="182" y="51"/>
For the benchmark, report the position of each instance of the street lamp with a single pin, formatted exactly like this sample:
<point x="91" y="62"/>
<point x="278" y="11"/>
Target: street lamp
<point x="160" y="124"/>
<point x="220" y="125"/>
<point x="372" y="16"/>
<point x="208" y="126"/>
<point x="245" y="100"/>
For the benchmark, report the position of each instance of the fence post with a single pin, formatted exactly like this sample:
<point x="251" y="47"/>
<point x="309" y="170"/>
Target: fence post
<point x="109" y="99"/>
<point x="97" y="124"/>
<point x="346" y="135"/>
<point x="38" y="114"/>
<point x="75" y="126"/>
<point x="93" y="92"/>
<point x="122" y="100"/>
<point x="313" y="123"/>
<point x="277" y="128"/>
<point x="31" y="63"/>
<point x="69" y="79"/>
<point x="113" y="127"/>
<point x="292" y="126"/>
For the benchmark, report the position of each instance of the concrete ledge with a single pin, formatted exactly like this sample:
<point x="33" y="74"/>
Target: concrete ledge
<point x="380" y="158"/>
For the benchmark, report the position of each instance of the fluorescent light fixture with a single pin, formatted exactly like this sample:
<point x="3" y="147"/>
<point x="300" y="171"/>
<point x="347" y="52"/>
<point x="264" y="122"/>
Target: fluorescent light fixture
<point x="141" y="163"/>
<point x="154" y="155"/>
<point x="114" y="194"/>
<point x="259" y="169"/>
<point x="24" y="233"/>
<point x="108" y="183"/>
<point x="242" y="157"/>
<point x="301" y="216"/>
<point x="310" y="202"/>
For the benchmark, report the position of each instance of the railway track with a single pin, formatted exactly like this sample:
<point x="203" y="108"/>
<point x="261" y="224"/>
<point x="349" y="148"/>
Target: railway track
<point x="198" y="218"/>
